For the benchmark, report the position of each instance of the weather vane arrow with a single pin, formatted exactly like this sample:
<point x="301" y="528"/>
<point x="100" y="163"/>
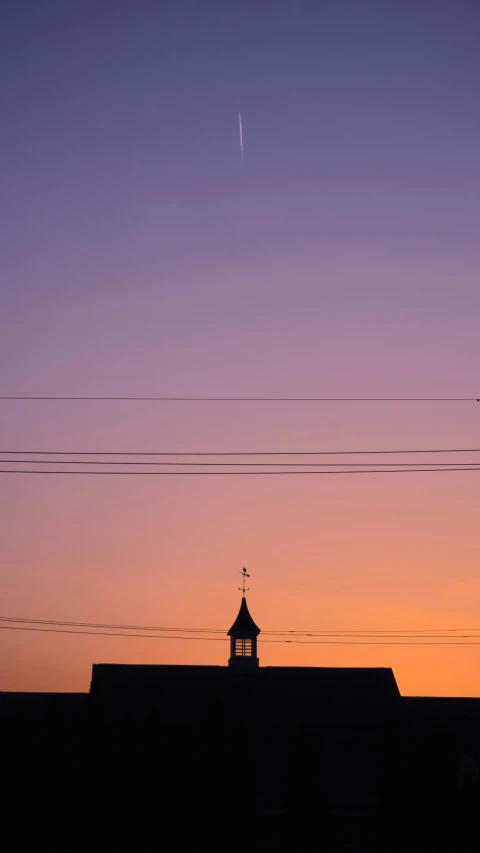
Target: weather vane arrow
<point x="243" y="589"/>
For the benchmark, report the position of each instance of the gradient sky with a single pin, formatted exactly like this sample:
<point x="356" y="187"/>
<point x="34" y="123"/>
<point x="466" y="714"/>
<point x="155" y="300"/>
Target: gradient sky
<point x="140" y="256"/>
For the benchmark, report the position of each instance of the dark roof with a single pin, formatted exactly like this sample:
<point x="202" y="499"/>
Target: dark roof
<point x="244" y="627"/>
<point x="37" y="707"/>
<point x="293" y="698"/>
<point x="369" y="684"/>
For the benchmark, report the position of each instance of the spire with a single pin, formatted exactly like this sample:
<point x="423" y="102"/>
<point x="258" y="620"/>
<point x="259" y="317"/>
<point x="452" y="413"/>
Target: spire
<point x="243" y="636"/>
<point x="244" y="627"/>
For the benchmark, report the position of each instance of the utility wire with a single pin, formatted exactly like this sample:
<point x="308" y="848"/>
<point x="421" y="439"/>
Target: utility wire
<point x="235" y="473"/>
<point x="106" y="625"/>
<point x="224" y="639"/>
<point x="303" y="632"/>
<point x="236" y="464"/>
<point x="254" y="399"/>
<point x="405" y="633"/>
<point x="109" y="633"/>
<point x="233" y="453"/>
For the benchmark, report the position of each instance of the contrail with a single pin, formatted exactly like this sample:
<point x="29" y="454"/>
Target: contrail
<point x="241" y="134"/>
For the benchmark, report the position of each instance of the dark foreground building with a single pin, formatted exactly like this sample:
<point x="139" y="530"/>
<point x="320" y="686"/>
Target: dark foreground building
<point x="241" y="757"/>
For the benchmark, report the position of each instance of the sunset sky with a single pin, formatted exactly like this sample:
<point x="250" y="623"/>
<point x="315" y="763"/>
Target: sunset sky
<point x="139" y="255"/>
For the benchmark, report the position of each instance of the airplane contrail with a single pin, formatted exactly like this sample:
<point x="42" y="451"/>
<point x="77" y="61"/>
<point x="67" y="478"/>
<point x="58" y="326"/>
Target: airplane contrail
<point x="241" y="134"/>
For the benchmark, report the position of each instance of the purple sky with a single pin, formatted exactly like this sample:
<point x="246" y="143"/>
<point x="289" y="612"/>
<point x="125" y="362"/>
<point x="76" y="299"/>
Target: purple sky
<point x="134" y="239"/>
<point x="140" y="255"/>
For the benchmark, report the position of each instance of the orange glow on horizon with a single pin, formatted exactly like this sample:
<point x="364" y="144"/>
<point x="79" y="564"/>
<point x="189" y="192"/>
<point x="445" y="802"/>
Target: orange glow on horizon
<point x="396" y="555"/>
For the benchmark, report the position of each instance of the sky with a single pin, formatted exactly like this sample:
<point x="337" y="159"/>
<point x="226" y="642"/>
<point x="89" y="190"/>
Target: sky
<point x="140" y="255"/>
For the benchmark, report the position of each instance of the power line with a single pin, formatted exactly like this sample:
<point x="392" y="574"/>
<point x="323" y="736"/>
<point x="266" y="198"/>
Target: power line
<point x="251" y="399"/>
<point x="106" y="625"/>
<point x="376" y="634"/>
<point x="225" y="639"/>
<point x="378" y="642"/>
<point x="380" y="634"/>
<point x="371" y="632"/>
<point x="235" y="473"/>
<point x="236" y="464"/>
<point x="109" y="633"/>
<point x="234" y="453"/>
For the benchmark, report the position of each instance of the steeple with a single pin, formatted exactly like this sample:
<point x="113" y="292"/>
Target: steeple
<point x="243" y="636"/>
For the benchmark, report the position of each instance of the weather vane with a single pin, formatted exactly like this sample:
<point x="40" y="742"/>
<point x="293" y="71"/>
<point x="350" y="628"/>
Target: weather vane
<point x="243" y="589"/>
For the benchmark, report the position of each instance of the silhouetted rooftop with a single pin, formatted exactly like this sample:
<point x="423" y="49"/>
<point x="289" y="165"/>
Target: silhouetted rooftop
<point x="335" y="684"/>
<point x="244" y="627"/>
<point x="39" y="706"/>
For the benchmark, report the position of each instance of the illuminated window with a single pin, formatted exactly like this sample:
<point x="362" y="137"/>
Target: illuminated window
<point x="243" y="648"/>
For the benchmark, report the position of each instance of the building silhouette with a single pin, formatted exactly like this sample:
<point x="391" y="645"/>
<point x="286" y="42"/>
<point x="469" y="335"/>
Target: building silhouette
<point x="311" y="757"/>
<point x="243" y="641"/>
